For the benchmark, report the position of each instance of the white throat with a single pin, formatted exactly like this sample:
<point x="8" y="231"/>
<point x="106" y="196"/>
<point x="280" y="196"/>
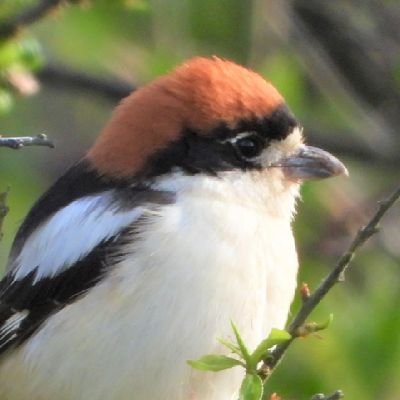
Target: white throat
<point x="263" y="191"/>
<point x="223" y="251"/>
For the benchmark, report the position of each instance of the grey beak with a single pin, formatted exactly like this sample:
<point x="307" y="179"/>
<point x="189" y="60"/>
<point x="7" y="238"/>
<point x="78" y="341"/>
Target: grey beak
<point x="311" y="163"/>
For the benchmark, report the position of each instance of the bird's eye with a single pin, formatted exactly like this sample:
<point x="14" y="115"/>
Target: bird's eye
<point x="249" y="146"/>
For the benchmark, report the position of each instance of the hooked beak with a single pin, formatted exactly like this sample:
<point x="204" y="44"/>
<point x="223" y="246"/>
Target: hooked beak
<point x="311" y="163"/>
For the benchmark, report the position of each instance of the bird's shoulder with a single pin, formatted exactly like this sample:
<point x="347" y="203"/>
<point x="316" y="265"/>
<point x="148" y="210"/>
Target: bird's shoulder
<point x="66" y="245"/>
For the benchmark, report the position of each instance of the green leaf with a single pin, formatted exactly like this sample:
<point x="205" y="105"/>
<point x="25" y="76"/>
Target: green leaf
<point x="6" y="101"/>
<point x="277" y="336"/>
<point x="30" y="54"/>
<point x="326" y="324"/>
<point x="231" y="346"/>
<point x="313" y="327"/>
<point x="252" y="388"/>
<point x="137" y="5"/>
<point x="243" y="349"/>
<point x="9" y="54"/>
<point x="214" y="362"/>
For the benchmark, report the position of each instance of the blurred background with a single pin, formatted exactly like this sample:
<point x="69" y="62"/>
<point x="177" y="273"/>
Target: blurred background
<point x="338" y="65"/>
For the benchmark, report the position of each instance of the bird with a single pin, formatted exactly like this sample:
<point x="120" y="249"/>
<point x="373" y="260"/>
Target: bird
<point x="175" y="222"/>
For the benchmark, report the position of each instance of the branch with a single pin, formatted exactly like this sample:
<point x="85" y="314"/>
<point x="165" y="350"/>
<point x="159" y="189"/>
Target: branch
<point x="335" y="276"/>
<point x="23" y="141"/>
<point x="27" y="17"/>
<point x="334" y="396"/>
<point x="3" y="210"/>
<point x="66" y="78"/>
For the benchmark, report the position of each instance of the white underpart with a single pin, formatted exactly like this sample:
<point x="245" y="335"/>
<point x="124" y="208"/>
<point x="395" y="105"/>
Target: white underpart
<point x="70" y="234"/>
<point x="223" y="251"/>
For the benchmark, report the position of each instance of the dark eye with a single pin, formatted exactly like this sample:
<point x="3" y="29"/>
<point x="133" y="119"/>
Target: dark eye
<point x="249" y="146"/>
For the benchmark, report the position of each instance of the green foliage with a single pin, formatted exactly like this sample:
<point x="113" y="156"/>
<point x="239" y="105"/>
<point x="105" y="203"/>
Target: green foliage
<point x="24" y="53"/>
<point x="313" y="327"/>
<point x="276" y="337"/>
<point x="24" y="56"/>
<point x="252" y="385"/>
<point x="243" y="351"/>
<point x="251" y="388"/>
<point x="6" y="100"/>
<point x="214" y="362"/>
<point x="138" y="5"/>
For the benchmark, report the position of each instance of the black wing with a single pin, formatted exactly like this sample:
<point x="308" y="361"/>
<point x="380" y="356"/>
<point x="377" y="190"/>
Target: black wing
<point x="27" y="302"/>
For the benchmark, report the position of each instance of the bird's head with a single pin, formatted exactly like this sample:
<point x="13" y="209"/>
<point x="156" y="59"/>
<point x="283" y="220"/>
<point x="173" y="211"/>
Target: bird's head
<point x="209" y="117"/>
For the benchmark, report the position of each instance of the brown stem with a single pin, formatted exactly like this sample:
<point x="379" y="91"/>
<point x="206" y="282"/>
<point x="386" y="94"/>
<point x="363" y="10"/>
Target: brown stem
<point x="335" y="276"/>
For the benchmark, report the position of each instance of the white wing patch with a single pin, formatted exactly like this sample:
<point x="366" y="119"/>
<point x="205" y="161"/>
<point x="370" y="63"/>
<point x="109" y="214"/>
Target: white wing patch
<point x="70" y="234"/>
<point x="9" y="326"/>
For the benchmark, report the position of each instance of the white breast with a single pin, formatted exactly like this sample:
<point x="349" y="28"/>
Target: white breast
<point x="210" y="258"/>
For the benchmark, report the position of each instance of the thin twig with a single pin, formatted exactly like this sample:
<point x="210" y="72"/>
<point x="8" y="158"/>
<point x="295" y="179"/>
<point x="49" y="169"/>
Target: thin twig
<point x="3" y="210"/>
<point x="70" y="79"/>
<point x="334" y="396"/>
<point x="23" y="141"/>
<point x="335" y="276"/>
<point x="27" y="17"/>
